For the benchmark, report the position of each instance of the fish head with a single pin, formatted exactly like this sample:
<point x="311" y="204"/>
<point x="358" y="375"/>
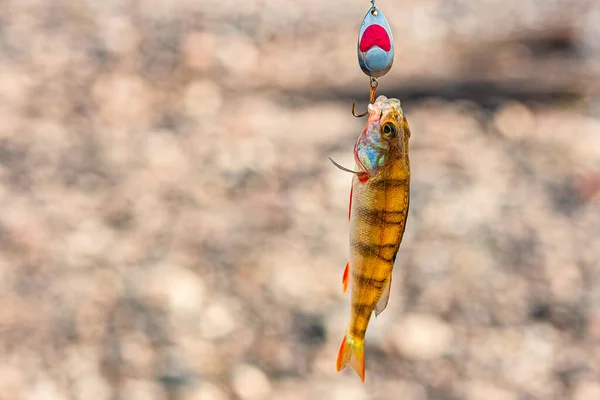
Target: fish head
<point x="383" y="136"/>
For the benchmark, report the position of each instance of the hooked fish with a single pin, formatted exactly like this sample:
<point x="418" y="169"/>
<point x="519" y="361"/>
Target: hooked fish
<point x="378" y="208"/>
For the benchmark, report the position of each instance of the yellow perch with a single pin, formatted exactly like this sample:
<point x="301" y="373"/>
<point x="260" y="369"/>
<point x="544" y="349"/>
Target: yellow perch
<point x="378" y="209"/>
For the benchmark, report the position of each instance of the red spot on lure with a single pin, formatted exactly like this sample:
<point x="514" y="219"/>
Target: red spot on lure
<point x="375" y="35"/>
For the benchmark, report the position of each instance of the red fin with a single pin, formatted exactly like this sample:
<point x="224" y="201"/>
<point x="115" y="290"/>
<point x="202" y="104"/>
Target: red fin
<point x="350" y="204"/>
<point x="352" y="353"/>
<point x="362" y="177"/>
<point x="345" y="277"/>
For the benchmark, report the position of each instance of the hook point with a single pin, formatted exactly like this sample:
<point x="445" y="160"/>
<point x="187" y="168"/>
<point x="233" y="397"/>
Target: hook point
<point x="354" y="113"/>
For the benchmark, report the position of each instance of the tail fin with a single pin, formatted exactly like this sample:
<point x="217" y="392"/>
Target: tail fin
<point x="352" y="352"/>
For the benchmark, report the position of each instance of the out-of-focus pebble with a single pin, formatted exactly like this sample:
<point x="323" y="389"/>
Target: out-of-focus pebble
<point x="422" y="337"/>
<point x="138" y="389"/>
<point x="203" y="99"/>
<point x="250" y="383"/>
<point x="206" y="391"/>
<point x="217" y="322"/>
<point x="182" y="291"/>
<point x="587" y="390"/>
<point x="482" y="390"/>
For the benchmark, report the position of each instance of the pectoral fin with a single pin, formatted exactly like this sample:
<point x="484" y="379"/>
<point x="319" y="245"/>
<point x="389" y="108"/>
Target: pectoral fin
<point x="385" y="297"/>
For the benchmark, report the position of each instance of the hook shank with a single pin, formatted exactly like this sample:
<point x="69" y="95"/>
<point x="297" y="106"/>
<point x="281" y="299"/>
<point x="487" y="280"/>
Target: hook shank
<point x="373" y="83"/>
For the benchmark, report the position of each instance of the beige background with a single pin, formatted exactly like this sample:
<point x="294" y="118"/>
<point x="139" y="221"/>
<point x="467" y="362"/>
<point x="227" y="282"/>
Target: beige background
<point x="171" y="228"/>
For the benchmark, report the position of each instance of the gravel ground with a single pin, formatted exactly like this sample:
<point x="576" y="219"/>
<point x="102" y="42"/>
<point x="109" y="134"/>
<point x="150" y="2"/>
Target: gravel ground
<point x="171" y="227"/>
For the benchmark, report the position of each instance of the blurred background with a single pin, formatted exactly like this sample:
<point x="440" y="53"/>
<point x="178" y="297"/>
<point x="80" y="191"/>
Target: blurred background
<point x="171" y="227"/>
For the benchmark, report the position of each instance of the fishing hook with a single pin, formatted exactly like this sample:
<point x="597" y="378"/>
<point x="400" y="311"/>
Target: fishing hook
<point x="373" y="83"/>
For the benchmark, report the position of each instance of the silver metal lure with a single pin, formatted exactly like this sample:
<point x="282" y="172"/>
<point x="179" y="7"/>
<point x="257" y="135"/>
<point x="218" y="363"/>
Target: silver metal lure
<point x="375" y="44"/>
<point x="375" y="50"/>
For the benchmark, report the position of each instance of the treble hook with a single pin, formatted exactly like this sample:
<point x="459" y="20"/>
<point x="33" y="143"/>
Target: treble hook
<point x="373" y="83"/>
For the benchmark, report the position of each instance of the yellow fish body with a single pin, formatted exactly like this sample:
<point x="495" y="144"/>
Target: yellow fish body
<point x="378" y="209"/>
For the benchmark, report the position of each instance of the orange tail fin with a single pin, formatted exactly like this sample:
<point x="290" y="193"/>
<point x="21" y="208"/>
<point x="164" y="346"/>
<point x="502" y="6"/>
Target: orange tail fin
<point x="352" y="353"/>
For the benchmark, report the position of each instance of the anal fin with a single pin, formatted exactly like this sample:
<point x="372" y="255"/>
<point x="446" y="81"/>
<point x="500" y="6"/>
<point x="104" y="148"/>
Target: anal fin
<point x="385" y="297"/>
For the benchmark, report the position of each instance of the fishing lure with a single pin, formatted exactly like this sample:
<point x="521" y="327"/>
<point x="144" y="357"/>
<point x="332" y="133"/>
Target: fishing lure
<point x="379" y="197"/>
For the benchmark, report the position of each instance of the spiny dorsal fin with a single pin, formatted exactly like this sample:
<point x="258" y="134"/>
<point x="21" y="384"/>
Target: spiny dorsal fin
<point x="345" y="276"/>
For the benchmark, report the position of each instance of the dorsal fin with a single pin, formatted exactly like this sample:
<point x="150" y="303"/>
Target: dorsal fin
<point x="350" y="204"/>
<point x="345" y="276"/>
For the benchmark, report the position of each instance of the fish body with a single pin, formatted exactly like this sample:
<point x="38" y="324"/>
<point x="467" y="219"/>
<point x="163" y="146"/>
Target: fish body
<point x="378" y="211"/>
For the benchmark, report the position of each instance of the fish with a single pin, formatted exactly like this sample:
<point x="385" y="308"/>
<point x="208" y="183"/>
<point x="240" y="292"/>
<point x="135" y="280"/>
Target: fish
<point x="378" y="209"/>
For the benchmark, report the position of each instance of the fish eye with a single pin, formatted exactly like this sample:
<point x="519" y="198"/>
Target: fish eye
<point x="389" y="130"/>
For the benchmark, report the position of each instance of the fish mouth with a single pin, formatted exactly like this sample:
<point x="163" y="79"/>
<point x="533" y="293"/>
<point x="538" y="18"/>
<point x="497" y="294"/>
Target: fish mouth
<point x="385" y="106"/>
